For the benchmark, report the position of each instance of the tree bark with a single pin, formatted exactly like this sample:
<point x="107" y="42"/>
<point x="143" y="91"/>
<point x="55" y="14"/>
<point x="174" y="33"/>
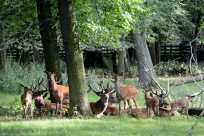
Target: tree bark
<point x="121" y="61"/>
<point x="74" y="60"/>
<point x="143" y="58"/>
<point x="2" y="48"/>
<point x="187" y="80"/>
<point x="48" y="35"/>
<point x="94" y="59"/>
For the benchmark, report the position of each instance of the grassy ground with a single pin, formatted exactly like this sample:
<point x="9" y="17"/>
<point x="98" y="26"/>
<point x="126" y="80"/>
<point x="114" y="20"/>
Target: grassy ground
<point x="12" y="124"/>
<point x="108" y="126"/>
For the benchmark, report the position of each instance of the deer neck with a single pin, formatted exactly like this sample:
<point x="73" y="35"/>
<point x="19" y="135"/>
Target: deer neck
<point x="117" y="87"/>
<point x="53" y="83"/>
<point x="147" y="95"/>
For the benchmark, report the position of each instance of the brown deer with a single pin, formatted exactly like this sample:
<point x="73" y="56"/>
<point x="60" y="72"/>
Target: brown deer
<point x="99" y="107"/>
<point x="59" y="92"/>
<point x="161" y="97"/>
<point x="40" y="103"/>
<point x="141" y="113"/>
<point x="181" y="103"/>
<point x="151" y="102"/>
<point x="164" y="112"/>
<point x="125" y="93"/>
<point x="26" y="100"/>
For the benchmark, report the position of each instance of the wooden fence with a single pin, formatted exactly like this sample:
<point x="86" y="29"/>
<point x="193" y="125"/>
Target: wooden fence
<point x="174" y="52"/>
<point x="167" y="52"/>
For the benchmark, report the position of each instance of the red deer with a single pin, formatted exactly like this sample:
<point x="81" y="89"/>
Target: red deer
<point x="59" y="92"/>
<point x="26" y="100"/>
<point x="99" y="107"/>
<point x="161" y="97"/>
<point x="141" y="113"/>
<point x="112" y="111"/>
<point x="125" y="93"/>
<point x="164" y="112"/>
<point x="151" y="102"/>
<point x="41" y="104"/>
<point x="181" y="103"/>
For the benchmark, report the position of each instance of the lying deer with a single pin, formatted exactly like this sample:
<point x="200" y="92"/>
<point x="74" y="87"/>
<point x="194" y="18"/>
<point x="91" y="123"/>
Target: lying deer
<point x="26" y="100"/>
<point x="99" y="107"/>
<point x="151" y="102"/>
<point x="124" y="93"/>
<point x="181" y="103"/>
<point x="164" y="112"/>
<point x="59" y="92"/>
<point x="141" y="113"/>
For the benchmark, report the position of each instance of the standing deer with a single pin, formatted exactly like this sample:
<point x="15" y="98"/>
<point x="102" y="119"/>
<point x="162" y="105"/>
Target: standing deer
<point x="181" y="103"/>
<point x="151" y="102"/>
<point x="40" y="103"/>
<point x="26" y="100"/>
<point x="161" y="97"/>
<point x="99" y="107"/>
<point x="125" y="93"/>
<point x="59" y="92"/>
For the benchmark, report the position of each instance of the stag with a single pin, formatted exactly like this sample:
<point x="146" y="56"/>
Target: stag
<point x="181" y="103"/>
<point x="151" y="102"/>
<point x="161" y="97"/>
<point x="99" y="107"/>
<point x="125" y="93"/>
<point x="26" y="100"/>
<point x="59" y="92"/>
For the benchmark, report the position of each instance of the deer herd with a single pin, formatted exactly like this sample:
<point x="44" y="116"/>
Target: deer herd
<point x="156" y="105"/>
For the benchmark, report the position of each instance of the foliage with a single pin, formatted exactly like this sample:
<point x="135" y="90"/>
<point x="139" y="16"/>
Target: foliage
<point x="175" y="68"/>
<point x="16" y="74"/>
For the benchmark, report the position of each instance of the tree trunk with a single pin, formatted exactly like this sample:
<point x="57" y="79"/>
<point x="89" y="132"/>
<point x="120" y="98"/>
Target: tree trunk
<point x="94" y="59"/>
<point x="114" y="61"/>
<point x="36" y="54"/>
<point x="2" y="48"/>
<point x="187" y="80"/>
<point x="74" y="60"/>
<point x="143" y="59"/>
<point x="25" y="57"/>
<point x="48" y="35"/>
<point x="121" y="61"/>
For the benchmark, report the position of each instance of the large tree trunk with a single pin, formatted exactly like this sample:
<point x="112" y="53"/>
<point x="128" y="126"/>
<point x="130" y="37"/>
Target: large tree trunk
<point x="25" y="57"/>
<point x="74" y="59"/>
<point x="143" y="59"/>
<point x="2" y="48"/>
<point x="94" y="59"/>
<point x="48" y="35"/>
<point x="121" y="61"/>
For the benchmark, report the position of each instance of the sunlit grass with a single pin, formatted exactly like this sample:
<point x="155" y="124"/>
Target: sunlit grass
<point x="124" y="126"/>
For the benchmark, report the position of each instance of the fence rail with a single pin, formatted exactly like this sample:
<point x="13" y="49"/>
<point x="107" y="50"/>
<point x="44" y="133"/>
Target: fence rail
<point x="167" y="52"/>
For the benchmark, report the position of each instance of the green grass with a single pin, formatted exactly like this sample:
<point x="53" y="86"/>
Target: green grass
<point x="11" y="122"/>
<point x="124" y="126"/>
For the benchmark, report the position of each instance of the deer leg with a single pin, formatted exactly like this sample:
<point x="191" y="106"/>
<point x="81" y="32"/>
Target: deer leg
<point x="187" y="111"/>
<point x="124" y="104"/>
<point x="57" y="107"/>
<point x="31" y="112"/>
<point x="135" y="103"/>
<point x="128" y="101"/>
<point x="119" y="107"/>
<point x="147" y="112"/>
